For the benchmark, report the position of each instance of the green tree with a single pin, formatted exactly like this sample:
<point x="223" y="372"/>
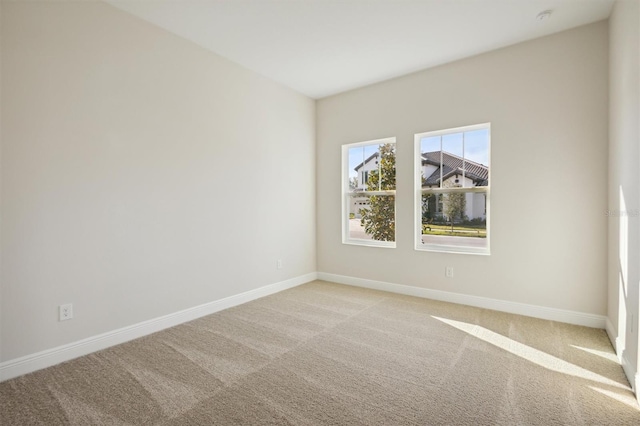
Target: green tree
<point x="379" y="220"/>
<point x="455" y="204"/>
<point x="428" y="204"/>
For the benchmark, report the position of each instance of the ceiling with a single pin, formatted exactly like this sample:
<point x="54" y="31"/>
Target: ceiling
<point x="323" y="47"/>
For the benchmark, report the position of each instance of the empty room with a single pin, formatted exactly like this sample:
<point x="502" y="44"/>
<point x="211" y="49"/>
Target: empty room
<point x="318" y="212"/>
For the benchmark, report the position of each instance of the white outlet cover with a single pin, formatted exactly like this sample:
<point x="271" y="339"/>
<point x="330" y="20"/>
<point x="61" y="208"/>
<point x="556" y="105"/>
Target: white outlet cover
<point x="65" y="312"/>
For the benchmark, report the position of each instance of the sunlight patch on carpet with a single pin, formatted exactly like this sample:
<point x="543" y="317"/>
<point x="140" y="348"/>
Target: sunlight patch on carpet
<point x="530" y="354"/>
<point x="606" y="355"/>
<point x="626" y="398"/>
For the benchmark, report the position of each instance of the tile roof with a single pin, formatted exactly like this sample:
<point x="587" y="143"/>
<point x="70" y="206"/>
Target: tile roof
<point x="452" y="165"/>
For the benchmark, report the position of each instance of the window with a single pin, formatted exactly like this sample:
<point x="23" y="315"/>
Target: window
<point x="452" y="190"/>
<point x="369" y="193"/>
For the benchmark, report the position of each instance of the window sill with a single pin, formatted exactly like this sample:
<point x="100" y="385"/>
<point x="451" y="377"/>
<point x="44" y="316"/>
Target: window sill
<point x="369" y="243"/>
<point x="453" y="249"/>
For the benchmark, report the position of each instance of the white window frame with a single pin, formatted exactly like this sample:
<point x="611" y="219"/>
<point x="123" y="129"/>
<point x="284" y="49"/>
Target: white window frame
<point x="346" y="193"/>
<point x="419" y="191"/>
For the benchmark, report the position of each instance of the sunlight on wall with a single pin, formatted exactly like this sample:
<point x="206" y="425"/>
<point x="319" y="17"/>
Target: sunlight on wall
<point x="531" y="354"/>
<point x="621" y="341"/>
<point x="623" y="257"/>
<point x="624" y="240"/>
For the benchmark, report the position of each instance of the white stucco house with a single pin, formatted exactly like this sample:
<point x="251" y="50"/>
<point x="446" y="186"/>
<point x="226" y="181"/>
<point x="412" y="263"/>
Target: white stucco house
<point x="363" y="169"/>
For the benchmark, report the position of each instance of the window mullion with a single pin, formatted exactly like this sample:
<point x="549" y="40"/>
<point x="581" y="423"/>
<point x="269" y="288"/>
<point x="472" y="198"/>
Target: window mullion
<point x="441" y="158"/>
<point x="464" y="165"/>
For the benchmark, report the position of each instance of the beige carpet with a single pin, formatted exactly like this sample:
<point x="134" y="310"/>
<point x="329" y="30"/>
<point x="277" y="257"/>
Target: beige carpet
<point x="326" y="354"/>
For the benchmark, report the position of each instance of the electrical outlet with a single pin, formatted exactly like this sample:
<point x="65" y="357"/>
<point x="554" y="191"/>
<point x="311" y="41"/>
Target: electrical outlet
<point x="448" y="271"/>
<point x="279" y="264"/>
<point x="65" y="311"/>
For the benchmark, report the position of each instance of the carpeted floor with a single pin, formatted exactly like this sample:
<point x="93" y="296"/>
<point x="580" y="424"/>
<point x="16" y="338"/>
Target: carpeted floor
<point x="326" y="354"/>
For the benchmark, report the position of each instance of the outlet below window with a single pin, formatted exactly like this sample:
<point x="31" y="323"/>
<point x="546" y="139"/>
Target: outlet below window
<point x="448" y="272"/>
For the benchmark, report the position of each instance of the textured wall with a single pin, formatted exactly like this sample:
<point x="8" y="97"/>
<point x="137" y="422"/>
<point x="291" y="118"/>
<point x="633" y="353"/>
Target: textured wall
<point x="141" y="175"/>
<point x="547" y="103"/>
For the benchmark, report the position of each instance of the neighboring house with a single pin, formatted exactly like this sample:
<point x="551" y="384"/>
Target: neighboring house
<point x="451" y="173"/>
<point x="363" y="169"/>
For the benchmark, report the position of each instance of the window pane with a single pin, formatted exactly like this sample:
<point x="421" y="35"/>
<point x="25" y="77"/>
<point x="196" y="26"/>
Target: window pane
<point x="452" y="144"/>
<point x="430" y="144"/>
<point x="452" y="161"/>
<point x="454" y="219"/>
<point x="372" y="217"/>
<point x="372" y="167"/>
<point x="455" y="160"/>
<point x="476" y="155"/>
<point x="363" y="160"/>
<point x="430" y="157"/>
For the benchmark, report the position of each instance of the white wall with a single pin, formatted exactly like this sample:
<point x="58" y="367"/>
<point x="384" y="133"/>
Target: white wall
<point x="547" y="101"/>
<point x="125" y="152"/>
<point x="624" y="182"/>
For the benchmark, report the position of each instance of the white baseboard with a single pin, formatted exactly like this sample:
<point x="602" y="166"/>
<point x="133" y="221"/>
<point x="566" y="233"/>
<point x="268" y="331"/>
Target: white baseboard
<point x="27" y="364"/>
<point x="632" y="376"/>
<point x="570" y="317"/>
<point x="613" y="337"/>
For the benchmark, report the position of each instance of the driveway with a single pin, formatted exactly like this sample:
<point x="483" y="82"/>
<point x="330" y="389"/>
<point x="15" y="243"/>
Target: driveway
<point x="357" y="231"/>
